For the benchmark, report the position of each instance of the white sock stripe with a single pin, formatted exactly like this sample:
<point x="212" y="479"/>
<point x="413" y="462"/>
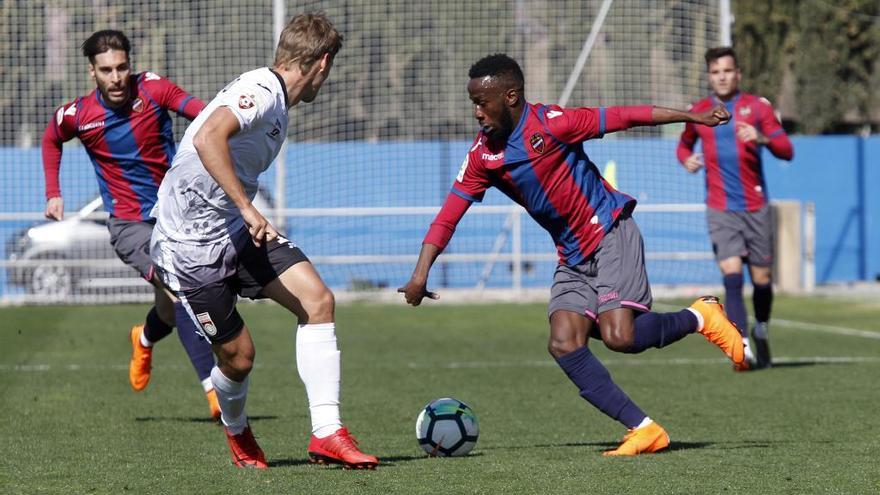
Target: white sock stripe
<point x="207" y="385"/>
<point x="145" y="341"/>
<point x="700" y="321"/>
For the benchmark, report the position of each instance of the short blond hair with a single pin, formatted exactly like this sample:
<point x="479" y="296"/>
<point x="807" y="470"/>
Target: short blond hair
<point x="307" y="38"/>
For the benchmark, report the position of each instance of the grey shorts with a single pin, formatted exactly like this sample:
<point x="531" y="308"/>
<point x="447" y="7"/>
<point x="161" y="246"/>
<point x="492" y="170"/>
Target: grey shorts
<point x="612" y="277"/>
<point x="241" y="269"/>
<point x="744" y="234"/>
<point x="131" y="241"/>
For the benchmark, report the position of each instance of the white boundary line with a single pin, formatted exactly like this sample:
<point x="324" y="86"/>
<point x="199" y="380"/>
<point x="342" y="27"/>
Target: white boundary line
<point x="851" y="332"/>
<point x="548" y="363"/>
<point x="802" y="325"/>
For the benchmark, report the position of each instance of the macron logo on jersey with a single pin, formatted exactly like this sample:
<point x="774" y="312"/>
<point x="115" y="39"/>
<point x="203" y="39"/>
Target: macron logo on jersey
<point x="91" y="125"/>
<point x="552" y="114"/>
<point x="150" y="76"/>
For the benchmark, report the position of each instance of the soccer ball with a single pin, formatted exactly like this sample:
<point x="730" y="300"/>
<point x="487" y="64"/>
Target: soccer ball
<point x="447" y="427"/>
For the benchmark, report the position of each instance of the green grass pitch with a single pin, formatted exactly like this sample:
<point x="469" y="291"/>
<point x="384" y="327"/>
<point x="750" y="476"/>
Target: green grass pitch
<point x="71" y="424"/>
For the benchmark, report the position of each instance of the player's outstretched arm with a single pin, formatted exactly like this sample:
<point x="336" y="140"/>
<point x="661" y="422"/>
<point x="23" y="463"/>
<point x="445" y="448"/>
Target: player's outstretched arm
<point x="212" y="144"/>
<point x="716" y="116"/>
<point x="417" y="288"/>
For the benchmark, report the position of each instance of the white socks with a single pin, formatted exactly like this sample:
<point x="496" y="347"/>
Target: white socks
<point x="317" y="360"/>
<point x="231" y="395"/>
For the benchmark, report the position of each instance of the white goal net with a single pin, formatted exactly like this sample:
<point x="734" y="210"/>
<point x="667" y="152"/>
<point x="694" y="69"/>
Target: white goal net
<point x="370" y="161"/>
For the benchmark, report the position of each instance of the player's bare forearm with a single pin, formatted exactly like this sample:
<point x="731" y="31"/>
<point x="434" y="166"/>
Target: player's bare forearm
<point x="212" y="145"/>
<point x="427" y="256"/>
<point x="215" y="156"/>
<point x="416" y="289"/>
<point x="716" y="116"/>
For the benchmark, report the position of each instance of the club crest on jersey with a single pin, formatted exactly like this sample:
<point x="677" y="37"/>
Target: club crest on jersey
<point x="137" y="105"/>
<point x="245" y="102"/>
<point x="207" y="324"/>
<point x="537" y="142"/>
<point x="745" y="111"/>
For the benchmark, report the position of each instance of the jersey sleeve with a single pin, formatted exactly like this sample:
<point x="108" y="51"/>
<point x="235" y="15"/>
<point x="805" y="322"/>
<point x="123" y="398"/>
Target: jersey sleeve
<point x="574" y="125"/>
<point x="61" y="128"/>
<point x="247" y="101"/>
<point x="171" y="97"/>
<point x="687" y="142"/>
<point x="447" y="219"/>
<point x="778" y="143"/>
<point x="473" y="179"/>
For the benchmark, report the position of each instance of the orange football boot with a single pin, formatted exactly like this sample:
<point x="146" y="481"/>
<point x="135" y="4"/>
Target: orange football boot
<point x="245" y="451"/>
<point x="340" y="448"/>
<point x="141" y="360"/>
<point x="211" y="395"/>
<point x="718" y="329"/>
<point x="645" y="440"/>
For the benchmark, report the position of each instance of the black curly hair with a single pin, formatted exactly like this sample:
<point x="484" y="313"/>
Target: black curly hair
<point x="501" y="66"/>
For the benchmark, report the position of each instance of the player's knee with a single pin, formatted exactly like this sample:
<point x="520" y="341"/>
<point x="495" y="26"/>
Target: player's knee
<point x="242" y="364"/>
<point x="558" y="347"/>
<point x="618" y="338"/>
<point x="321" y="306"/>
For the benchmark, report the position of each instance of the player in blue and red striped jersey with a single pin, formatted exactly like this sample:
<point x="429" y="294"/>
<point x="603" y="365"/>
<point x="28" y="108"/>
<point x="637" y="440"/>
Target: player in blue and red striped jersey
<point x="125" y="128"/>
<point x="738" y="215"/>
<point x="534" y="154"/>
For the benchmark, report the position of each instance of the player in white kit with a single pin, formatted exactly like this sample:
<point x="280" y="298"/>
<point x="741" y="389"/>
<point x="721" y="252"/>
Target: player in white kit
<point x="212" y="245"/>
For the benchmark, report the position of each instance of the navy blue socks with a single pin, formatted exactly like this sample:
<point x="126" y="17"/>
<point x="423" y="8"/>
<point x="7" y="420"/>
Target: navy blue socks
<point x="155" y="329"/>
<point x="733" y="302"/>
<point x="661" y="329"/>
<point x="197" y="348"/>
<point x="596" y="386"/>
<point x="762" y="299"/>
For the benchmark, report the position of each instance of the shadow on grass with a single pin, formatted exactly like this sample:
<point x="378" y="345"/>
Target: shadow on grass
<point x="384" y="461"/>
<point x="603" y="445"/>
<point x="199" y="419"/>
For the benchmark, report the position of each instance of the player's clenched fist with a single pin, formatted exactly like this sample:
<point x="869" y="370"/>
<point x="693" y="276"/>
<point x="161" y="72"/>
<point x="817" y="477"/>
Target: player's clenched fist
<point x="55" y="209"/>
<point x="694" y="163"/>
<point x="716" y="116"/>
<point x="258" y="226"/>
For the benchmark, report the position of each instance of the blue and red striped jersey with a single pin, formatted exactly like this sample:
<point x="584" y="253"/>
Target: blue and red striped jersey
<point x="543" y="167"/>
<point x="734" y="173"/>
<point x="131" y="147"/>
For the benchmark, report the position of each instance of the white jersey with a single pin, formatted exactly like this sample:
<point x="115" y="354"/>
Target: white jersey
<point x="192" y="208"/>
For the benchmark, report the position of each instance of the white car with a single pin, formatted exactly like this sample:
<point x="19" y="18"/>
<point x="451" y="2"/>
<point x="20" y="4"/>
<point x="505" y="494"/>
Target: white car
<point x="55" y="260"/>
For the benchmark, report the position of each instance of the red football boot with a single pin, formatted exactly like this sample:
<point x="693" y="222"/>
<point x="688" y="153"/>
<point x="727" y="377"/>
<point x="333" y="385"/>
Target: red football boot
<point x="340" y="448"/>
<point x="245" y="451"/>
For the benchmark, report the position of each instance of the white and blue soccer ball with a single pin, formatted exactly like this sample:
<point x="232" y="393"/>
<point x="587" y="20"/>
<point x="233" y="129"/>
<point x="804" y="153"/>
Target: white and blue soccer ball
<point x="447" y="427"/>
